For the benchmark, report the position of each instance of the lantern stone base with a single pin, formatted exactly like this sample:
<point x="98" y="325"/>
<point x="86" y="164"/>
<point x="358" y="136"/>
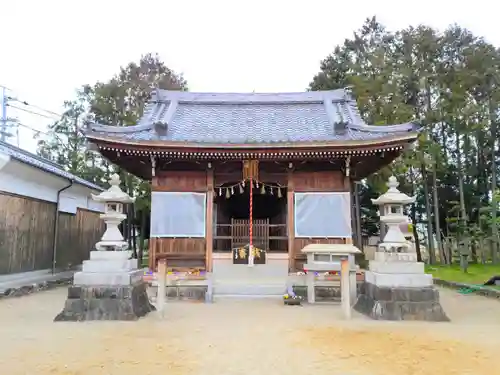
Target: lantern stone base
<point x="113" y="268"/>
<point x="90" y="302"/>
<point x="109" y="287"/>
<point x="391" y="302"/>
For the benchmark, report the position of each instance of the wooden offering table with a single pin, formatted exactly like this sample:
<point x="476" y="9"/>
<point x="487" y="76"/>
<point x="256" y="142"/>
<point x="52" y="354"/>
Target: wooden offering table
<point x="332" y="257"/>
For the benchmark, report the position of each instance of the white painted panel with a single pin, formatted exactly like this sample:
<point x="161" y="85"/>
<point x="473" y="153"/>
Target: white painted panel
<point x="178" y="214"/>
<point x="68" y="204"/>
<point x="322" y="215"/>
<point x="24" y="180"/>
<point x="35" y="189"/>
<point x="4" y="159"/>
<point x="95" y="206"/>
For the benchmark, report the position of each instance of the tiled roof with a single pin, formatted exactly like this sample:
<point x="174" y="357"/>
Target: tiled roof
<point x="43" y="164"/>
<point x="176" y="116"/>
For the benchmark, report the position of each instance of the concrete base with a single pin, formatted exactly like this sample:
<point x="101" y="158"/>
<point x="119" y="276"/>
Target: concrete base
<point x="109" y="268"/>
<point x="397" y="267"/>
<point x="268" y="279"/>
<point x="106" y="303"/>
<point x="395" y="257"/>
<point x="110" y="255"/>
<point x="397" y="280"/>
<point x="323" y="293"/>
<point x="400" y="303"/>
<point x="118" y="278"/>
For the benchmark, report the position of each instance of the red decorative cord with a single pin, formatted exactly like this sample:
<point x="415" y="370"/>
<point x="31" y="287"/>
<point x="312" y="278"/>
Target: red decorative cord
<point x="251" y="215"/>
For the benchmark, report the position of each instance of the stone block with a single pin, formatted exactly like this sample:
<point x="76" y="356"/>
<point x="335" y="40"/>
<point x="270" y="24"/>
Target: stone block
<point x="99" y="292"/>
<point x="323" y="293"/>
<point x="110" y="255"/>
<point x="187" y="292"/>
<point x="400" y="303"/>
<point x="395" y="257"/>
<point x="111" y="278"/>
<point x="397" y="267"/>
<point x="398" y="280"/>
<point x="109" y="265"/>
<point x="106" y="303"/>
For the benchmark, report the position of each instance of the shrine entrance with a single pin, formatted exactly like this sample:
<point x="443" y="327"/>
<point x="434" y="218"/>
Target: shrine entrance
<point x="265" y="231"/>
<point x="250" y="252"/>
<point x="250" y="217"/>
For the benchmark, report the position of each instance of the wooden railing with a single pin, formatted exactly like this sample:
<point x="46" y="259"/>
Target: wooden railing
<point x="269" y="237"/>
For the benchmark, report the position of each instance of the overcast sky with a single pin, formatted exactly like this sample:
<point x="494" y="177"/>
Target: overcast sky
<point x="49" y="48"/>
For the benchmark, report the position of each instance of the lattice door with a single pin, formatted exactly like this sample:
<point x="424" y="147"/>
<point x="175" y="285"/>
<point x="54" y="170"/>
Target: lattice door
<point x="240" y="233"/>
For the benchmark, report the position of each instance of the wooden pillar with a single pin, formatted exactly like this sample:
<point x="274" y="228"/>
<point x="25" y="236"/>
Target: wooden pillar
<point x="359" y="237"/>
<point x="290" y="220"/>
<point x="345" y="293"/>
<point x="161" y="279"/>
<point x="209" y="223"/>
<point x="348" y="186"/>
<point x="152" y="241"/>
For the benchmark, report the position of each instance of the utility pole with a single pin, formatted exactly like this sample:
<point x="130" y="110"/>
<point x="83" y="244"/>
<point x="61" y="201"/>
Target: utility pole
<point x="6" y="123"/>
<point x="3" y="131"/>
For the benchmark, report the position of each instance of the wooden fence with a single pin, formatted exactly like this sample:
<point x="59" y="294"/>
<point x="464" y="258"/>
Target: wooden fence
<point x="27" y="235"/>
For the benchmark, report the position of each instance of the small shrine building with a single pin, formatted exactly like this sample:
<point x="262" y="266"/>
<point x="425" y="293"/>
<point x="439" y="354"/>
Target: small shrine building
<point x="272" y="172"/>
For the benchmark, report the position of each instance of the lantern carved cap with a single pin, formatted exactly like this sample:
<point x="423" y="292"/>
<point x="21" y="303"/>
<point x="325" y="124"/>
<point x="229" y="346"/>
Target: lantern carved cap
<point x="114" y="193"/>
<point x="393" y="195"/>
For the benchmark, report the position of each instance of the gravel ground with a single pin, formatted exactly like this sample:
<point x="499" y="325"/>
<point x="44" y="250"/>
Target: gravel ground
<point x="248" y="337"/>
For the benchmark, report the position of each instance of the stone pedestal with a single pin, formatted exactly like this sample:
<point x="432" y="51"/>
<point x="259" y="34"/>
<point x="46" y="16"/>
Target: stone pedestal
<point x="106" y="303"/>
<point x="109" y="268"/>
<point x="399" y="290"/>
<point x="109" y="287"/>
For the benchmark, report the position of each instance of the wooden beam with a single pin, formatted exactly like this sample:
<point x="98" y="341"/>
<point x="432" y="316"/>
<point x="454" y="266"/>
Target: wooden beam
<point x="209" y="224"/>
<point x="290" y="220"/>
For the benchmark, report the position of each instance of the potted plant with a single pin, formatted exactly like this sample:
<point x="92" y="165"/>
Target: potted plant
<point x="291" y="299"/>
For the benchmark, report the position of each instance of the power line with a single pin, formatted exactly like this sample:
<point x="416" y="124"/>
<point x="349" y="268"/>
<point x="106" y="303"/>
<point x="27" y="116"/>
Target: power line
<point x="24" y="102"/>
<point x="6" y="123"/>
<point x="29" y="111"/>
<point x="35" y="130"/>
<point x="52" y="134"/>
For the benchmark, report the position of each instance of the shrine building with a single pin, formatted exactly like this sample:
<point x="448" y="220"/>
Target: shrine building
<point x="268" y="172"/>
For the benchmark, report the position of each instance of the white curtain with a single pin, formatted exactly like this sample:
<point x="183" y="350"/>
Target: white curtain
<point x="323" y="215"/>
<point x="178" y="214"/>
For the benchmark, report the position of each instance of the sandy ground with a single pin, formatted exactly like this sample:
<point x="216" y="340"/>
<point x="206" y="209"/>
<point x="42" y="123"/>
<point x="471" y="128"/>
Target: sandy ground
<point x="248" y="337"/>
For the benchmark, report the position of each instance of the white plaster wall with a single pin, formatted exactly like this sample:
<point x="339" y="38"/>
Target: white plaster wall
<point x="22" y="179"/>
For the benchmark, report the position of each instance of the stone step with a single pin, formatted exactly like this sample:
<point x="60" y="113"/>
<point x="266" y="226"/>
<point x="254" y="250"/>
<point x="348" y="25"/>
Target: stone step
<point x="242" y="289"/>
<point x="251" y="281"/>
<point x="108" y="278"/>
<point x="398" y="280"/>
<point x="110" y="255"/>
<point x="397" y="267"/>
<point x="229" y="270"/>
<point x="245" y="296"/>
<point x="109" y="265"/>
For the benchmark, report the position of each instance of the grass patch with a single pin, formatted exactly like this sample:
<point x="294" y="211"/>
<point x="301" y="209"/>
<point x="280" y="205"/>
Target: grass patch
<point x="476" y="273"/>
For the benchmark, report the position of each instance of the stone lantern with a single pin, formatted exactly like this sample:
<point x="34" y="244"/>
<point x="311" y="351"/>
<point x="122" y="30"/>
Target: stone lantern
<point x="114" y="199"/>
<point x="110" y="285"/>
<point x="392" y="215"/>
<point x="396" y="286"/>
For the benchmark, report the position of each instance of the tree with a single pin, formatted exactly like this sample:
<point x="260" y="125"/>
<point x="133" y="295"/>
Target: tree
<point x="449" y="82"/>
<point x="119" y="102"/>
<point x="66" y="144"/>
